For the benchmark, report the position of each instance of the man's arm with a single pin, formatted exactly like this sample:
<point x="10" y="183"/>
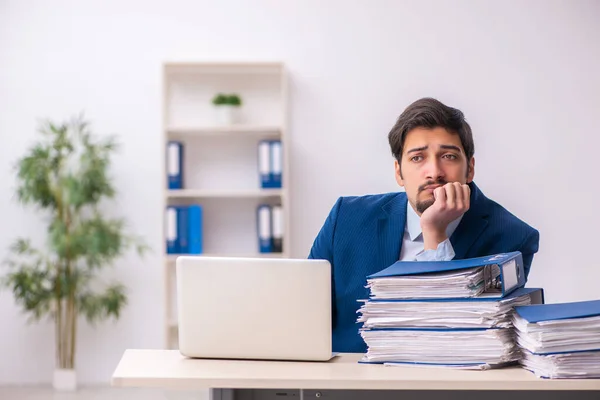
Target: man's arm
<point x="528" y="248"/>
<point x="322" y="249"/>
<point x="451" y="201"/>
<point x="443" y="252"/>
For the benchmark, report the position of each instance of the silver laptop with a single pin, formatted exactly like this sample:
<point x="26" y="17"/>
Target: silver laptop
<point x="254" y="308"/>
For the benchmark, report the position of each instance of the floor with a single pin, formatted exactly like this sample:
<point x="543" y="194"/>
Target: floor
<point x="96" y="393"/>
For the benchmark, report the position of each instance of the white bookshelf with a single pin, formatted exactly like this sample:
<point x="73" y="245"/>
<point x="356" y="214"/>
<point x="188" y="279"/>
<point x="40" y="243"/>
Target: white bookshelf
<point x="224" y="193"/>
<point x="221" y="162"/>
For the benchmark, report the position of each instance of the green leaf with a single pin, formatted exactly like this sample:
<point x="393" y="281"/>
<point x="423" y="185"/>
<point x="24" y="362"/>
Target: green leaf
<point x="32" y="288"/>
<point x="101" y="306"/>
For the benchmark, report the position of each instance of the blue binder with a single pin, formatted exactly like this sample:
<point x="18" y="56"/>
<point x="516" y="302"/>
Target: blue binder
<point x="195" y="229"/>
<point x="276" y="162"/>
<point x="550" y="312"/>
<point x="264" y="164"/>
<point x="264" y="230"/>
<point x="171" y="230"/>
<point x="512" y="274"/>
<point x="174" y="165"/>
<point x="182" y="229"/>
<point x="536" y="294"/>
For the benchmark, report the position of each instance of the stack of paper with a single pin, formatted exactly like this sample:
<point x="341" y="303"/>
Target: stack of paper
<point x="477" y="347"/>
<point x="452" y="314"/>
<point x="453" y="284"/>
<point x="458" y="313"/>
<point x="560" y="340"/>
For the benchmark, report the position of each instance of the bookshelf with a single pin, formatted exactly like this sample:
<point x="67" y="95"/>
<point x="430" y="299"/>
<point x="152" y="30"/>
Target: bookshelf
<point x="220" y="162"/>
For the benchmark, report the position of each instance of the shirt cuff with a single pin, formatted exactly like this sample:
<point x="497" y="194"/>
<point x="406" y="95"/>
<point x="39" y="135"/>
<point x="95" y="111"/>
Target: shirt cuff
<point x="444" y="252"/>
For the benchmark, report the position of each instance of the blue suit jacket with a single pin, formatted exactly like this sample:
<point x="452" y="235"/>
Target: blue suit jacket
<point x="363" y="235"/>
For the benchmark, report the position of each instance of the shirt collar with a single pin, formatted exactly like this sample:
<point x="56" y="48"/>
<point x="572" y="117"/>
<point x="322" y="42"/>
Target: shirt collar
<point x="413" y="223"/>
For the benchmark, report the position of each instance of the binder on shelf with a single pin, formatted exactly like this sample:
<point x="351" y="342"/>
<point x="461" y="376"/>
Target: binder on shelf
<point x="264" y="229"/>
<point x="183" y="229"/>
<point x="175" y="165"/>
<point x="171" y="230"/>
<point x="493" y="276"/>
<point x="277" y="228"/>
<point x="276" y="163"/>
<point x="264" y="163"/>
<point x="195" y="229"/>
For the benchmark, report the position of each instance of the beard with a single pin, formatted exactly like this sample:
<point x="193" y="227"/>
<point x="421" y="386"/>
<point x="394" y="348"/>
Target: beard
<point x="423" y="205"/>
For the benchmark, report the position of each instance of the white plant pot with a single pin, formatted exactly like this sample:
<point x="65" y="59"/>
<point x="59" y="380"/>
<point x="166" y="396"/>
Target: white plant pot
<point x="65" y="379"/>
<point x="227" y="114"/>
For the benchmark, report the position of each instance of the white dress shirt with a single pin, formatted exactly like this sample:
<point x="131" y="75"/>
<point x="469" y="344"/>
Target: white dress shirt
<point x="413" y="245"/>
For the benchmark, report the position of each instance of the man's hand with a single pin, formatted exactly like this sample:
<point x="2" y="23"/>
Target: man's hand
<point x="451" y="201"/>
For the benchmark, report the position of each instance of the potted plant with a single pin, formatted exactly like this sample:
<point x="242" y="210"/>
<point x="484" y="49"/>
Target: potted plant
<point x="65" y="176"/>
<point x="227" y="107"/>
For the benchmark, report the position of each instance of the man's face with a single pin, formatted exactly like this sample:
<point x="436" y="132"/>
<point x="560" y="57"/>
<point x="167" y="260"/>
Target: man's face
<point x="431" y="158"/>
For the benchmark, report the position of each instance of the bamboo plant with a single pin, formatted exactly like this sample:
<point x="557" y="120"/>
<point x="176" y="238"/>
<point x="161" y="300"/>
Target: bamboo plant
<point x="65" y="176"/>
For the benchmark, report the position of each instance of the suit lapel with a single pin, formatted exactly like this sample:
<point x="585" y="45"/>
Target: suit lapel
<point x="472" y="225"/>
<point x="390" y="230"/>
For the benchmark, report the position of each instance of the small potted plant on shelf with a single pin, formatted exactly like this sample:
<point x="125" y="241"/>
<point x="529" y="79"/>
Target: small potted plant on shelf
<point x="227" y="107"/>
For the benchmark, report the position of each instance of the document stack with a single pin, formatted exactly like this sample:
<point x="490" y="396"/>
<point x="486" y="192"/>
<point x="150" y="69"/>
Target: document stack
<point x="450" y="314"/>
<point x="560" y="340"/>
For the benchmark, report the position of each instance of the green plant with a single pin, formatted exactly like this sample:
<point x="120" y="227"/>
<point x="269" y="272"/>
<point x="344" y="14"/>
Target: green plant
<point x="235" y="100"/>
<point x="65" y="176"/>
<point x="220" y="99"/>
<point x="227" y="99"/>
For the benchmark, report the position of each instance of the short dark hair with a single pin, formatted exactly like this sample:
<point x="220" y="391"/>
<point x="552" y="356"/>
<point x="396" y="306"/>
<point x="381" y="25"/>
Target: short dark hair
<point x="430" y="113"/>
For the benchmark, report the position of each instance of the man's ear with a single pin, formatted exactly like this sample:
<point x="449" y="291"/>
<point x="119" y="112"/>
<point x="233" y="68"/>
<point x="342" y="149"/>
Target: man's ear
<point x="398" y="173"/>
<point x="471" y="170"/>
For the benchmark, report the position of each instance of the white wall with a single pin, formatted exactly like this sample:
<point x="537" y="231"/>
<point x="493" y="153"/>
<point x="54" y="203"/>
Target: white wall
<point x="524" y="73"/>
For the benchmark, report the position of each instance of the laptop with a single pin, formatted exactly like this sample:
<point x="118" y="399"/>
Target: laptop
<point x="254" y="308"/>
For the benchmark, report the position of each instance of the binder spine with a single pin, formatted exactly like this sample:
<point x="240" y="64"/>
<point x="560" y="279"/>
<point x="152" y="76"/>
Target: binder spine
<point x="264" y="164"/>
<point x="512" y="274"/>
<point x="277" y="219"/>
<point x="264" y="229"/>
<point x="276" y="164"/>
<point x="195" y="229"/>
<point x="182" y="229"/>
<point x="171" y="228"/>
<point x="175" y="165"/>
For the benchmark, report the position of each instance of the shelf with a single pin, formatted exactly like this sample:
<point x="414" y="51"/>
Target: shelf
<point x="172" y="257"/>
<point x="220" y="162"/>
<point x="230" y="194"/>
<point x="223" y="68"/>
<point x="232" y="130"/>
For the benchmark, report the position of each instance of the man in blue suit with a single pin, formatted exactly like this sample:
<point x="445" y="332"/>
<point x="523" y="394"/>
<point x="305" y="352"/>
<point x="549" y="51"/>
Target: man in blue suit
<point x="441" y="215"/>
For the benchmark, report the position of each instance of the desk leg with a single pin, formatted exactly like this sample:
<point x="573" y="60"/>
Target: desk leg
<point x="221" y="394"/>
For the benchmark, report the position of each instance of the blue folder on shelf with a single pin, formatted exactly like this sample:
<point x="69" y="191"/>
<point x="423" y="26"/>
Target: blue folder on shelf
<point x="171" y="230"/>
<point x="183" y="233"/>
<point x="264" y="228"/>
<point x="276" y="163"/>
<point x="493" y="276"/>
<point x="174" y="165"/>
<point x="264" y="164"/>
<point x="195" y="229"/>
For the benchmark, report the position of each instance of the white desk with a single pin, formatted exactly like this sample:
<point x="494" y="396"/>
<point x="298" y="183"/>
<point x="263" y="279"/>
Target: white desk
<point x="168" y="369"/>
